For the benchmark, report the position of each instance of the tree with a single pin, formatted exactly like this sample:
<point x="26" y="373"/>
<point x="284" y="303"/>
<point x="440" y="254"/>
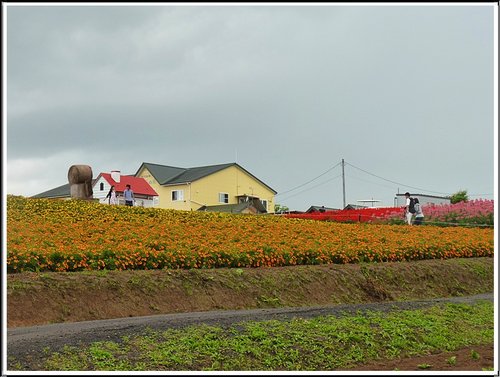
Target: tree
<point x="278" y="208"/>
<point x="459" y="196"/>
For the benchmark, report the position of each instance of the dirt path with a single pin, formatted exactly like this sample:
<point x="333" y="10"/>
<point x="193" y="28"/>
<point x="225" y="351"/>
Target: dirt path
<point x="26" y="344"/>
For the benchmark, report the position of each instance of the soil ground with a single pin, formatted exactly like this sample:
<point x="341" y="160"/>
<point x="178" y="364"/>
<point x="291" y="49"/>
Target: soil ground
<point x="51" y="297"/>
<point x="438" y="362"/>
<point x="62" y="298"/>
<point x="26" y="345"/>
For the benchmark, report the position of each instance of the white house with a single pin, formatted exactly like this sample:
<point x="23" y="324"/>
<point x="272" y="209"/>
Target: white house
<point x="400" y="199"/>
<point x="145" y="195"/>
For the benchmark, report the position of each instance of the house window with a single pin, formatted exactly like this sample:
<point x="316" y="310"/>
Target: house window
<point x="177" y="195"/>
<point x="102" y="186"/>
<point x="223" y="197"/>
<point x="264" y="203"/>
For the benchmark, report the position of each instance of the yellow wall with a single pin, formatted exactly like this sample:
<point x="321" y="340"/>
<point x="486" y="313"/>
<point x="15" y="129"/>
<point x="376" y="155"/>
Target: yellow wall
<point x="205" y="191"/>
<point x="232" y="181"/>
<point x="155" y="185"/>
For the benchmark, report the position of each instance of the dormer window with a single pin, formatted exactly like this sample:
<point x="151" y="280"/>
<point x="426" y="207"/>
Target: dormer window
<point x="101" y="186"/>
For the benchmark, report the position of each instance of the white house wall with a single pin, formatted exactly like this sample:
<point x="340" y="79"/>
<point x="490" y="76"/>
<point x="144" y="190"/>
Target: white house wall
<point x="98" y="194"/>
<point x="423" y="199"/>
<point x="101" y="195"/>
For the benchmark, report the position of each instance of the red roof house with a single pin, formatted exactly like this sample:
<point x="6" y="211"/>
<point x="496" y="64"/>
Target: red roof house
<point x="138" y="185"/>
<point x="144" y="194"/>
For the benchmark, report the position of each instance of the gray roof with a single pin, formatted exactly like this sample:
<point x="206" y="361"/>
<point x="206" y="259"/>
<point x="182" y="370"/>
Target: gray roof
<point x="161" y="173"/>
<point x="235" y="208"/>
<point x="427" y="196"/>
<point x="63" y="191"/>
<point x="318" y="208"/>
<point x="170" y="175"/>
<point x="58" y="192"/>
<point x="193" y="174"/>
<point x="354" y="206"/>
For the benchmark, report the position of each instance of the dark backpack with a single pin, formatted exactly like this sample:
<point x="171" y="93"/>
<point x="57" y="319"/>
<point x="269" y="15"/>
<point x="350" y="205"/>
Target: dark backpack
<point x="412" y="206"/>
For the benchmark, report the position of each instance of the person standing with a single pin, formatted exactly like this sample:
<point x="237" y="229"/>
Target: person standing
<point x="419" y="215"/>
<point x="408" y="208"/>
<point x="112" y="196"/>
<point x="128" y="195"/>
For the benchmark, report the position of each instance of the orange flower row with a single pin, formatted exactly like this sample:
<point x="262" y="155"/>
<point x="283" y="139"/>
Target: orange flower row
<point x="75" y="235"/>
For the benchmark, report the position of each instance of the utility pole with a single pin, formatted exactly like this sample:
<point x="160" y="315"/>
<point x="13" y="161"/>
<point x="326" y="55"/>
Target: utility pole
<point x="343" y="181"/>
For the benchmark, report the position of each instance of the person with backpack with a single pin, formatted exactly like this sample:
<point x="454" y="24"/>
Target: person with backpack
<point x="419" y="215"/>
<point x="409" y="208"/>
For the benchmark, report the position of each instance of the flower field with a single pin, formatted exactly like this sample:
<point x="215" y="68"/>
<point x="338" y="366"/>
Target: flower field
<point x="478" y="211"/>
<point x="56" y="235"/>
<point x="362" y="215"/>
<point x="474" y="212"/>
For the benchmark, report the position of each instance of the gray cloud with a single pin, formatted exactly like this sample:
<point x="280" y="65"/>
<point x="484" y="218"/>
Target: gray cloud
<point x="404" y="92"/>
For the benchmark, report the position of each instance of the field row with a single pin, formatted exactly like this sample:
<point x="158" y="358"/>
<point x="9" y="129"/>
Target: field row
<point x="48" y="235"/>
<point x="479" y="212"/>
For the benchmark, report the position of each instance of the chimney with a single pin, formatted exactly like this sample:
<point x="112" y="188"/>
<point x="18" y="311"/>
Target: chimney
<point x="115" y="175"/>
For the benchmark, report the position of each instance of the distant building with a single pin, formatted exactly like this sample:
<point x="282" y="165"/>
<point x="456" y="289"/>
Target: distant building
<point x="313" y="209"/>
<point x="60" y="192"/>
<point x="253" y="206"/>
<point x="208" y="187"/>
<point x="423" y="199"/>
<point x="354" y="206"/>
<point x="145" y="195"/>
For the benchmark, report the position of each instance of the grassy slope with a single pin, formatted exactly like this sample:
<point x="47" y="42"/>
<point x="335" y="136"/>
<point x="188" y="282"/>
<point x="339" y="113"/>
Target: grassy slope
<point x="41" y="298"/>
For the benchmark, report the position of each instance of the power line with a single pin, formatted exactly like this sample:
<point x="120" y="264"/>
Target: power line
<point x="367" y="172"/>
<point x="302" y="185"/>
<point x="401" y="184"/>
<point x="310" y="188"/>
<point x="373" y="183"/>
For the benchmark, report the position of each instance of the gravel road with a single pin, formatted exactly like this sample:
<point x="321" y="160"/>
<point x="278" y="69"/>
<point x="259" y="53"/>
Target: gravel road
<point x="27" y="343"/>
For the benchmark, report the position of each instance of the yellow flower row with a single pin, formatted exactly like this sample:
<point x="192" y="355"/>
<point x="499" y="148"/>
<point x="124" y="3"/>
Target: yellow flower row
<point x="77" y="235"/>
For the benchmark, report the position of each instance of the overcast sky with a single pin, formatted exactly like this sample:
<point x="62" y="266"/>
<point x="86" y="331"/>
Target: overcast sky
<point x="402" y="93"/>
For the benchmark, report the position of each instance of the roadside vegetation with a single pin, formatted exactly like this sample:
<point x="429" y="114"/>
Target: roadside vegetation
<point x="321" y="344"/>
